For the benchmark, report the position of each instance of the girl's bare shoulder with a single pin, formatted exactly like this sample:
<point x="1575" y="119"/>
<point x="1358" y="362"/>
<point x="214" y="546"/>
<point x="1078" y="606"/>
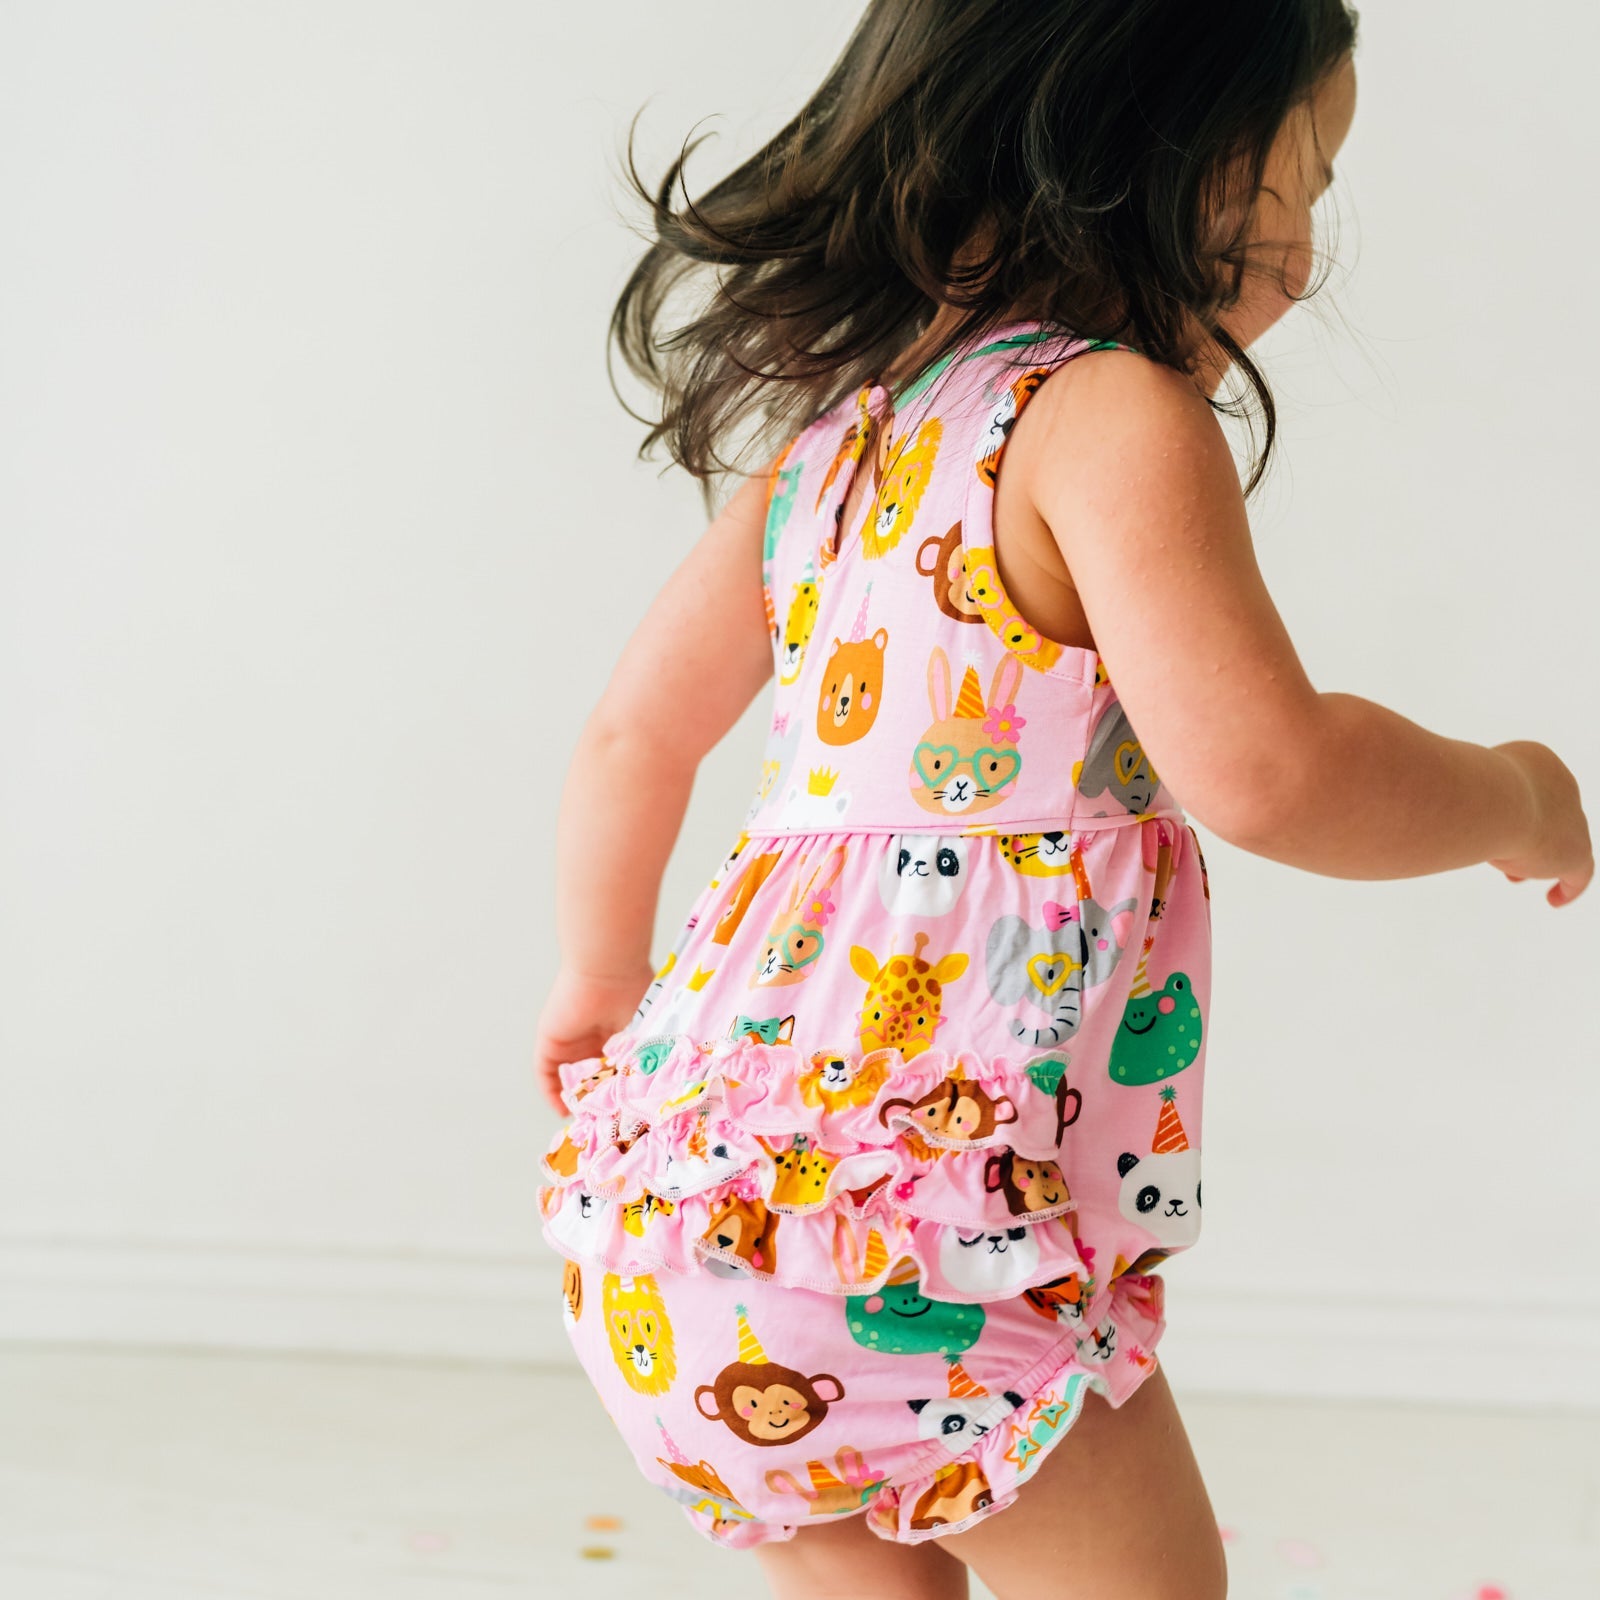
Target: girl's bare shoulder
<point x="1114" y="421"/>
<point x="1128" y="468"/>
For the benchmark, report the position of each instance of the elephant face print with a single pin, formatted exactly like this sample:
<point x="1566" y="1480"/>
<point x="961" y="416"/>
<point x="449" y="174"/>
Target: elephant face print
<point x="1116" y="764"/>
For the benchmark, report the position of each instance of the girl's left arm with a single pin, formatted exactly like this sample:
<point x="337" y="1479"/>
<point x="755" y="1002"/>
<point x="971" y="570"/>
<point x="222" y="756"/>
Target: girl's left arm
<point x="692" y="666"/>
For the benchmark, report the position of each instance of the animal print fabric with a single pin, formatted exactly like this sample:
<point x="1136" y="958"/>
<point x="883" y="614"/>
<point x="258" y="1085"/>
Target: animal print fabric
<point x="871" y="1190"/>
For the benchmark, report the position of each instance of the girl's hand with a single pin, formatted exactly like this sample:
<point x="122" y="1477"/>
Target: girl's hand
<point x="580" y="1014"/>
<point x="1561" y="848"/>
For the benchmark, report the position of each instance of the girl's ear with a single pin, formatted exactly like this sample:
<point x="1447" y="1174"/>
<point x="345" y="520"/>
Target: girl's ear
<point x="939" y="684"/>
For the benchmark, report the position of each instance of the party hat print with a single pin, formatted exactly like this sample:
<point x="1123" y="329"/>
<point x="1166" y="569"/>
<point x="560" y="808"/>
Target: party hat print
<point x="858" y="628"/>
<point x="1169" y="1128"/>
<point x="969" y="702"/>
<point x="877" y="1255"/>
<point x="905" y="1270"/>
<point x="961" y="1385"/>
<point x="1141" y="977"/>
<point x="674" y="1453"/>
<point x="749" y="1346"/>
<point x="1080" y="873"/>
<point x="822" y="1477"/>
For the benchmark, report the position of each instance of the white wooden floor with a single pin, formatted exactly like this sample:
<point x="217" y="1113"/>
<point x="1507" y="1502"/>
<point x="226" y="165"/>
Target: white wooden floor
<point x="173" y="1476"/>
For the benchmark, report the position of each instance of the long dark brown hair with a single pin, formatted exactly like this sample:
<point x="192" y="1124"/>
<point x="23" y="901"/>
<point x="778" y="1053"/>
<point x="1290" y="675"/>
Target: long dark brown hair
<point x="1065" y="159"/>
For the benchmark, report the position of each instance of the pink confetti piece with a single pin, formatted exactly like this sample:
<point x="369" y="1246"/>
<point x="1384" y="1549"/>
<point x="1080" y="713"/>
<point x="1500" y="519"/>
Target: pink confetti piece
<point x="1300" y="1552"/>
<point x="1491" y="1591"/>
<point x="428" y="1541"/>
<point x="1227" y="1535"/>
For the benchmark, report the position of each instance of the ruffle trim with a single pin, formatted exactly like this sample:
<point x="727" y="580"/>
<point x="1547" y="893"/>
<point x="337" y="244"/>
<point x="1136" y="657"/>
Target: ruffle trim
<point x="948" y="1494"/>
<point x="838" y="1172"/>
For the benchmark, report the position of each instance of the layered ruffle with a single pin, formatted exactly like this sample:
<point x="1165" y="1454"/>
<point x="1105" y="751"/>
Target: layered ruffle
<point x="847" y="1173"/>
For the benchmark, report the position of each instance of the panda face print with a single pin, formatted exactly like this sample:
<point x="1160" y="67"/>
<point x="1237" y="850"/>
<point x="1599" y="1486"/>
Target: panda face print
<point x="959" y="1423"/>
<point x="985" y="1260"/>
<point x="580" y="1225"/>
<point x="923" y="874"/>
<point x="1162" y="1194"/>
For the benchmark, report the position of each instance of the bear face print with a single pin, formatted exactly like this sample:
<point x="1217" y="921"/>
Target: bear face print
<point x="852" y="685"/>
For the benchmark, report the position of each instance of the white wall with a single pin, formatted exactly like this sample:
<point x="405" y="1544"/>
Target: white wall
<point x="308" y="452"/>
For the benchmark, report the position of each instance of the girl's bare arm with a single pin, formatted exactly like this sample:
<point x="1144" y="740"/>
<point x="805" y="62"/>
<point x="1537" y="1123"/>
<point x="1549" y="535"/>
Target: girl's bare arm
<point x="1131" y="472"/>
<point x="695" y="662"/>
<point x="691" y="667"/>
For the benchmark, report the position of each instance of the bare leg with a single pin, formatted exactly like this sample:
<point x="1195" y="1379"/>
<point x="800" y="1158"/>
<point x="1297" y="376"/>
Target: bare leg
<point x="846" y="1560"/>
<point x="1118" y="1508"/>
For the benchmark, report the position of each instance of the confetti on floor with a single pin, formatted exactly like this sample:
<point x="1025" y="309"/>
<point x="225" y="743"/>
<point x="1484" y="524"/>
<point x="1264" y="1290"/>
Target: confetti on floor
<point x="596" y="1552"/>
<point x="601" y="1523"/>
<point x="1300" y="1552"/>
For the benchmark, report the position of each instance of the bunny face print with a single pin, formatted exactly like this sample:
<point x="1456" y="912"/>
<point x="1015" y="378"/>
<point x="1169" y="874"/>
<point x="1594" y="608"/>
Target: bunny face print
<point x="967" y="760"/>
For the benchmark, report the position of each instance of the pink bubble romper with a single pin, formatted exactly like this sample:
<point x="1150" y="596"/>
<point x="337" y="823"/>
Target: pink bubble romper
<point x="869" y="1192"/>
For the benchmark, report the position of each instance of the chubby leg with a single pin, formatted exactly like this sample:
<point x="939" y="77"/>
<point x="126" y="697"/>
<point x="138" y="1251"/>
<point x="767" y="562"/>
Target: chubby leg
<point x="1117" y="1508"/>
<point x="846" y="1560"/>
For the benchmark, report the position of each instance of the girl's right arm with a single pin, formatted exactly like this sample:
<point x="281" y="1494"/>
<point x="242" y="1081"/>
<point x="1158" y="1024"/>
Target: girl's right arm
<point x="1130" y="470"/>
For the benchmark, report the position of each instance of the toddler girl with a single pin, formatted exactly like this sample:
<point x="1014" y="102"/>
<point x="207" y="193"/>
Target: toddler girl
<point x="862" y="1193"/>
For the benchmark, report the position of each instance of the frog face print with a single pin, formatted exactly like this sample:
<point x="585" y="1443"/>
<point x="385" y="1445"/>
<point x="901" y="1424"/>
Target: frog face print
<point x="1161" y="1028"/>
<point x="900" y="1319"/>
<point x="967" y="760"/>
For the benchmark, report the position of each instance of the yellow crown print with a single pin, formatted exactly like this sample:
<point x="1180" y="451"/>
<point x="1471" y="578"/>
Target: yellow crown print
<point x="821" y="780"/>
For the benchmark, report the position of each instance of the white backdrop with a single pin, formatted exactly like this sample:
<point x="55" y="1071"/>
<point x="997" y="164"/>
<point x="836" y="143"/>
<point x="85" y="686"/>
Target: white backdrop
<point x="318" y="528"/>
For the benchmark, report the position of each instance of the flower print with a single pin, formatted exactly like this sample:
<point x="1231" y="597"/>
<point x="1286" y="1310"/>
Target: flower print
<point x="1002" y="722"/>
<point x="819" y="908"/>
